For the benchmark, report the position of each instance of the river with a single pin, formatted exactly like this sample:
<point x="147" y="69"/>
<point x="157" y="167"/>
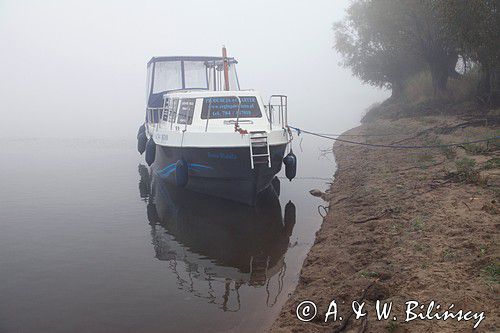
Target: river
<point x="90" y="243"/>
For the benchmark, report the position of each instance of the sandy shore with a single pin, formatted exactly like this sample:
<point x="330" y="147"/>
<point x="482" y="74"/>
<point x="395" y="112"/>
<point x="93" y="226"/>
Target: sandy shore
<point x="407" y="225"/>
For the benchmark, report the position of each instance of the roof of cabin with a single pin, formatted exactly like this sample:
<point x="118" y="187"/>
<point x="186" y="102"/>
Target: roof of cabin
<point x="190" y="58"/>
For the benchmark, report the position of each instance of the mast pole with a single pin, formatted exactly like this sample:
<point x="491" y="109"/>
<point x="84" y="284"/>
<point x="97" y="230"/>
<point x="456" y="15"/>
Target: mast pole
<point x="226" y="68"/>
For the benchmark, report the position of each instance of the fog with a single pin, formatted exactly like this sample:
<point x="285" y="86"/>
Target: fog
<point x="78" y="68"/>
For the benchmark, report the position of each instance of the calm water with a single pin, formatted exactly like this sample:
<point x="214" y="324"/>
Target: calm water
<point x="89" y="244"/>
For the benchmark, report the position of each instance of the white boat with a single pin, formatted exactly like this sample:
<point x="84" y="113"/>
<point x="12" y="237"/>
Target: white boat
<point x="204" y="133"/>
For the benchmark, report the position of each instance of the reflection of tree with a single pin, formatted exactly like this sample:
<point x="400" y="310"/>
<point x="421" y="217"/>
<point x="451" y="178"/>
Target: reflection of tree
<point x="213" y="247"/>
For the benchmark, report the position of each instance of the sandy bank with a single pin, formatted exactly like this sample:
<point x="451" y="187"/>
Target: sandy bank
<point x="407" y="225"/>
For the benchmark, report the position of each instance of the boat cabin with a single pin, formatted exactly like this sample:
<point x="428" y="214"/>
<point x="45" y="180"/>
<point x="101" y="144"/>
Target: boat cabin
<point x="183" y="89"/>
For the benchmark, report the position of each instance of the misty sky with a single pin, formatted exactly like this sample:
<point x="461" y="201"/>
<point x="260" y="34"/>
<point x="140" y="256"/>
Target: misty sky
<point x="77" y="68"/>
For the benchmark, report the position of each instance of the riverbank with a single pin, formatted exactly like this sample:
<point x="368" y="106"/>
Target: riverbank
<point x="407" y="224"/>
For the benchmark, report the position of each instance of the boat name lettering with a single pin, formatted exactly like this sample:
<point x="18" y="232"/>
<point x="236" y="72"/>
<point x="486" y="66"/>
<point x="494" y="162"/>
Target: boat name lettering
<point x="224" y="156"/>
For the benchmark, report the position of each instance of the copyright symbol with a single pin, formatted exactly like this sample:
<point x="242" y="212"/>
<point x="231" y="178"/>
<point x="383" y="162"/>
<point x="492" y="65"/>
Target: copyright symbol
<point x="306" y="311"/>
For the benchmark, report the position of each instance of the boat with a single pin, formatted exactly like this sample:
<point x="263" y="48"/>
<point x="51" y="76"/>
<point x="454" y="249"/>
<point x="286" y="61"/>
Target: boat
<point x="203" y="133"/>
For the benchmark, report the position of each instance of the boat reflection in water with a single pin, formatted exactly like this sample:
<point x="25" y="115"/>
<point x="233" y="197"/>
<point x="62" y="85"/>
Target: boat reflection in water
<point x="214" y="246"/>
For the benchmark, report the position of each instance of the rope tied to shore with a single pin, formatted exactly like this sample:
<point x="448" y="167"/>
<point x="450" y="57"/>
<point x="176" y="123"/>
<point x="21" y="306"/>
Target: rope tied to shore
<point x="393" y="146"/>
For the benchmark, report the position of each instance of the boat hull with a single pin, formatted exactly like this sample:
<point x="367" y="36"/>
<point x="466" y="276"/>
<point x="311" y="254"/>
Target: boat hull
<point x="223" y="172"/>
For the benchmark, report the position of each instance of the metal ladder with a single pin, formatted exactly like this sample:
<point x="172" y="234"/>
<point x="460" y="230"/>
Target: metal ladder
<point x="259" y="149"/>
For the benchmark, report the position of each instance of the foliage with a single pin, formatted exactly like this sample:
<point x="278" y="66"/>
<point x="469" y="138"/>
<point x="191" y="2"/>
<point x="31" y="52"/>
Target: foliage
<point x="375" y="49"/>
<point x="475" y="148"/>
<point x="417" y="223"/>
<point x="493" y="163"/>
<point x="492" y="272"/>
<point x="419" y="88"/>
<point x="467" y="172"/>
<point x="474" y="25"/>
<point x="369" y="274"/>
<point x="392" y="326"/>
<point x="387" y="42"/>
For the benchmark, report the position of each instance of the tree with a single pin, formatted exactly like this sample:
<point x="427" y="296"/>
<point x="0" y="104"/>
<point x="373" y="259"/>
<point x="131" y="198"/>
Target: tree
<point x="474" y="25"/>
<point x="374" y="48"/>
<point x="424" y="26"/>
<point x="385" y="41"/>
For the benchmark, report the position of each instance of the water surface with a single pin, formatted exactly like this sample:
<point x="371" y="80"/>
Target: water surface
<point x="88" y="243"/>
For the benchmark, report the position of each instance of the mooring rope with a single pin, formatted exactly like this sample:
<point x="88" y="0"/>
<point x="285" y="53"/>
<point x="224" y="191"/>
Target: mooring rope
<point x="308" y="178"/>
<point x="361" y="135"/>
<point x="299" y="131"/>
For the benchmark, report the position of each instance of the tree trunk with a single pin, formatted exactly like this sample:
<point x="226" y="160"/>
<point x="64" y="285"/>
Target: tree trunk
<point x="495" y="86"/>
<point x="439" y="76"/>
<point x="484" y="86"/>
<point x="397" y="88"/>
<point x="441" y="67"/>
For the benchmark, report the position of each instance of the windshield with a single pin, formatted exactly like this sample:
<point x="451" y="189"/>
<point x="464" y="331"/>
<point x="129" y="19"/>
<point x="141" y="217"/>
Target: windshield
<point x="169" y="75"/>
<point x="195" y="75"/>
<point x="227" y="107"/>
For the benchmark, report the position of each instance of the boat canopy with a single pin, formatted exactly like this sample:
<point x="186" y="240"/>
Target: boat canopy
<point x="167" y="74"/>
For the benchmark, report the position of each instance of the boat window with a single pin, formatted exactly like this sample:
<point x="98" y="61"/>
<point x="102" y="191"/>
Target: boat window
<point x="233" y="78"/>
<point x="227" y="107"/>
<point x="186" y="111"/>
<point x="167" y="76"/>
<point x="171" y="109"/>
<point x="195" y="75"/>
<point x="216" y="77"/>
<point x="148" y="80"/>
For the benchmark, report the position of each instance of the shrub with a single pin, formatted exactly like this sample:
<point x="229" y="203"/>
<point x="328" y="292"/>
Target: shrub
<point x="467" y="172"/>
<point x="475" y="148"/>
<point x="418" y="89"/>
<point x="493" y="163"/>
<point x="492" y="272"/>
<point x="464" y="88"/>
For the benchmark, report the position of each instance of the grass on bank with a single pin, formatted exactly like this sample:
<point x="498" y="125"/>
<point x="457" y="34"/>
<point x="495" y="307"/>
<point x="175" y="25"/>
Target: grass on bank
<point x="419" y="98"/>
<point x="419" y="88"/>
<point x="492" y="272"/>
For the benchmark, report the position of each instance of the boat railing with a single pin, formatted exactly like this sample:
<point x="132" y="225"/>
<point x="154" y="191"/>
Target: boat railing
<point x="158" y="116"/>
<point x="154" y="116"/>
<point x="277" y="111"/>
